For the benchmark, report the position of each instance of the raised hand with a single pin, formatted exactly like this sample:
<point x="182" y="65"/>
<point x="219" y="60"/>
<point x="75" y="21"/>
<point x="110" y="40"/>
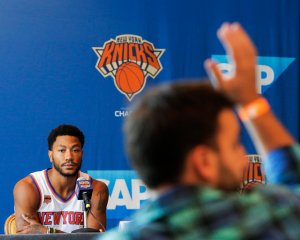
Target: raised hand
<point x="240" y="83"/>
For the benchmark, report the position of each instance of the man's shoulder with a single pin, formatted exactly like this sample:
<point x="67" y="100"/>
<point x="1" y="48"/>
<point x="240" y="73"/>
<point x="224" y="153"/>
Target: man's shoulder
<point x="101" y="187"/>
<point x="39" y="172"/>
<point x="97" y="184"/>
<point x="28" y="178"/>
<point x="24" y="189"/>
<point x="274" y="190"/>
<point x="28" y="183"/>
<point x="25" y="182"/>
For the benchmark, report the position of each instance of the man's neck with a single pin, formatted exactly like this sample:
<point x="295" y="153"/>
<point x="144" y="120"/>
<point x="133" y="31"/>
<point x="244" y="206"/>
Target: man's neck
<point x="63" y="185"/>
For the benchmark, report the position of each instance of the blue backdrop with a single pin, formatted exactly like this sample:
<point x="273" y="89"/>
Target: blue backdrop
<point x="51" y="72"/>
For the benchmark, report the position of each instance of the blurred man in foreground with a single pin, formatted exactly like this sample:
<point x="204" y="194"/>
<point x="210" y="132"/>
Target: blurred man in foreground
<point x="183" y="140"/>
<point x="45" y="201"/>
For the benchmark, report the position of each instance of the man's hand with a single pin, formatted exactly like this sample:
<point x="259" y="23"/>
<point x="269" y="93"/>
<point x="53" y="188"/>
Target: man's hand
<point x="266" y="131"/>
<point x="33" y="227"/>
<point x="240" y="84"/>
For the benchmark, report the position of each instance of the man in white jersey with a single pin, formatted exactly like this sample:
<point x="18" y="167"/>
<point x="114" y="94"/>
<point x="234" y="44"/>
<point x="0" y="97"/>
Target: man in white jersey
<point x="46" y="202"/>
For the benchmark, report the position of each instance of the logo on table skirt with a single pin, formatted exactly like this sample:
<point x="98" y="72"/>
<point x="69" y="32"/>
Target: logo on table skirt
<point x="129" y="60"/>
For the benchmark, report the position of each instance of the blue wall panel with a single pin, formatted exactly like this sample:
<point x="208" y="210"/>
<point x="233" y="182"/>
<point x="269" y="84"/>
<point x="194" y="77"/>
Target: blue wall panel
<point x="48" y="74"/>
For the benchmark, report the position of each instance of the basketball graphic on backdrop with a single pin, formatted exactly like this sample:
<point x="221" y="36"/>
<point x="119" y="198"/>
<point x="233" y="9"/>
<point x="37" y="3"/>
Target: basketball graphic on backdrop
<point x="129" y="60"/>
<point x="130" y="78"/>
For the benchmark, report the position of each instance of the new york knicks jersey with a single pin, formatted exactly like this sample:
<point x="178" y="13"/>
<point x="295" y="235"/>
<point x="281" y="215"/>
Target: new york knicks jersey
<point x="63" y="214"/>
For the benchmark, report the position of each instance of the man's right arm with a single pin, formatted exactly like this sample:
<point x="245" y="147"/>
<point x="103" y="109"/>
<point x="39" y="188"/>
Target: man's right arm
<point x="270" y="137"/>
<point x="265" y="129"/>
<point x="26" y="203"/>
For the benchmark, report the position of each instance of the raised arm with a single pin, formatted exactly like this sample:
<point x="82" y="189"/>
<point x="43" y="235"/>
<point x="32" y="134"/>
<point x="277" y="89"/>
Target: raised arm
<point x="264" y="128"/>
<point x="97" y="215"/>
<point x="26" y="201"/>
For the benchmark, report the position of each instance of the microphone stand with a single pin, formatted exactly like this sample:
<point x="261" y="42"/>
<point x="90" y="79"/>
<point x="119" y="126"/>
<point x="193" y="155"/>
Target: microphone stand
<point x="84" y="215"/>
<point x="86" y="207"/>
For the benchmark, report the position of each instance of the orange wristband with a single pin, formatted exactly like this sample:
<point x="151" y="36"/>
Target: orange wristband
<point x="254" y="109"/>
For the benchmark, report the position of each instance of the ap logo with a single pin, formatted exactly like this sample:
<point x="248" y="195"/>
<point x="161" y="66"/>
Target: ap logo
<point x="268" y="69"/>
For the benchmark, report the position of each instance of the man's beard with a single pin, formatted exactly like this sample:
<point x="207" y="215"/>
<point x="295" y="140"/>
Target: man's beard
<point x="228" y="181"/>
<point x="60" y="170"/>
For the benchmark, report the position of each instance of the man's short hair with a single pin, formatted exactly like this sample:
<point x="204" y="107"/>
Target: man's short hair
<point x="167" y="123"/>
<point x="65" y="130"/>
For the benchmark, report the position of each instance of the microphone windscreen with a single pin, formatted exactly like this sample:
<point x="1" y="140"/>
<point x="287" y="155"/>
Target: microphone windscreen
<point x="83" y="185"/>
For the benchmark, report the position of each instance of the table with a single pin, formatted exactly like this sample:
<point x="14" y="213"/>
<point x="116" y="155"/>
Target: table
<point x="60" y="236"/>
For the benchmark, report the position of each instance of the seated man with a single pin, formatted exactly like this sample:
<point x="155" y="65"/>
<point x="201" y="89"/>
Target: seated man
<point x="45" y="201"/>
<point x="183" y="141"/>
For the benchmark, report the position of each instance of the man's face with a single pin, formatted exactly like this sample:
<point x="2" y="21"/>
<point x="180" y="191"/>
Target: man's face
<point x="230" y="152"/>
<point x="66" y="155"/>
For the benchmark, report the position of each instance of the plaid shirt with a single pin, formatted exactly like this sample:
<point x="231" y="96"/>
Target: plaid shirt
<point x="190" y="212"/>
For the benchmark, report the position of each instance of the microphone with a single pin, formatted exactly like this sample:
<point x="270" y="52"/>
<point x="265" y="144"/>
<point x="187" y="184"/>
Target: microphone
<point x="84" y="191"/>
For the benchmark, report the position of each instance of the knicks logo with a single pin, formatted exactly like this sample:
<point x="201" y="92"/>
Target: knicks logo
<point x="129" y="60"/>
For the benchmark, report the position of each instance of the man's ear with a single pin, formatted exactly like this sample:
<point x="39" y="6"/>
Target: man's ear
<point x="204" y="160"/>
<point x="50" y="152"/>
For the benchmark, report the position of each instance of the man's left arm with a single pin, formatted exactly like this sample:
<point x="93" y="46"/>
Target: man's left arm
<point x="282" y="166"/>
<point x="97" y="215"/>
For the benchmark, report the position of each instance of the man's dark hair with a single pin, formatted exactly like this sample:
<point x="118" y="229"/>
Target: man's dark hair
<point x="65" y="130"/>
<point x="167" y="123"/>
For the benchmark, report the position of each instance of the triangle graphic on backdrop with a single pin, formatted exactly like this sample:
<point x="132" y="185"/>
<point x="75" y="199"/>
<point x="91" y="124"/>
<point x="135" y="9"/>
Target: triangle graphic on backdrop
<point x="269" y="69"/>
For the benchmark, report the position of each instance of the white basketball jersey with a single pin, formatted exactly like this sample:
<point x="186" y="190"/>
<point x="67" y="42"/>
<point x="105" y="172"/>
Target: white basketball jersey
<point x="63" y="214"/>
